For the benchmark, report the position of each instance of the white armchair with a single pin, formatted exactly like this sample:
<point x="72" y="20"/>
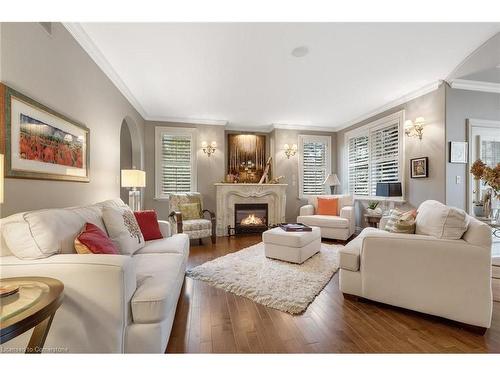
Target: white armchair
<point x="340" y="227"/>
<point x="450" y="278"/>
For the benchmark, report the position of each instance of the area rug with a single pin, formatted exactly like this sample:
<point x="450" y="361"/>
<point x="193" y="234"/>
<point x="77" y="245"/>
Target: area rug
<point x="281" y="285"/>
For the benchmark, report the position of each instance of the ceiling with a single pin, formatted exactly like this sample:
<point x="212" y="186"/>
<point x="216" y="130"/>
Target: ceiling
<point x="244" y="73"/>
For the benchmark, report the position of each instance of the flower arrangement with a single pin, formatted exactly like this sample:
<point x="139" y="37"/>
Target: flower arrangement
<point x="490" y="176"/>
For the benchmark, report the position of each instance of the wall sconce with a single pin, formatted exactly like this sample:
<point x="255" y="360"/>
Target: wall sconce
<point x="209" y="149"/>
<point x="290" y="150"/>
<point x="415" y="129"/>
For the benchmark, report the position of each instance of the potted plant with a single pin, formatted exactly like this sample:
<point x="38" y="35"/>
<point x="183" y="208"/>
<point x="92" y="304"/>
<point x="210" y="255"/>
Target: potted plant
<point x="373" y="208"/>
<point x="491" y="178"/>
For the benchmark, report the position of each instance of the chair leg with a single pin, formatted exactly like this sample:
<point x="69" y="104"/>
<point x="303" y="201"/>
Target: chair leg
<point x="214" y="239"/>
<point x="200" y="242"/>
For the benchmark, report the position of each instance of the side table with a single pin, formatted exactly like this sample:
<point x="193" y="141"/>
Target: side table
<point x="33" y="306"/>
<point x="373" y="220"/>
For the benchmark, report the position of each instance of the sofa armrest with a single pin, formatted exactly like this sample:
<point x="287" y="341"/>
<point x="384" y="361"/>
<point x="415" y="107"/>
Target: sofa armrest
<point x="427" y="274"/>
<point x="306" y="210"/>
<point x="347" y="212"/>
<point x="97" y="293"/>
<point x="165" y="228"/>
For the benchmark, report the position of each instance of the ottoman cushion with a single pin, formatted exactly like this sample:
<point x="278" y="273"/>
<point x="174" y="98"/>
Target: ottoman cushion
<point x="278" y="236"/>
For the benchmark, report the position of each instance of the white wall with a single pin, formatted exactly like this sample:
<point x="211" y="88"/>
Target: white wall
<point x="55" y="71"/>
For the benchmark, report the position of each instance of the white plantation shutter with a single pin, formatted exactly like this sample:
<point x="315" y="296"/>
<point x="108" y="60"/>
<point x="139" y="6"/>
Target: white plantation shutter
<point x="374" y="154"/>
<point x="175" y="158"/>
<point x="314" y="163"/>
<point x="358" y="165"/>
<point x="384" y="155"/>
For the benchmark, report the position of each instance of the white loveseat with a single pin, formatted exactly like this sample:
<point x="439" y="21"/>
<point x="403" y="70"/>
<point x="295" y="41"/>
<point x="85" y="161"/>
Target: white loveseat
<point x="339" y="227"/>
<point x="450" y="278"/>
<point x="112" y="303"/>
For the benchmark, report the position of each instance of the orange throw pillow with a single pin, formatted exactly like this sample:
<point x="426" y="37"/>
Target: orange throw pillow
<point x="328" y="206"/>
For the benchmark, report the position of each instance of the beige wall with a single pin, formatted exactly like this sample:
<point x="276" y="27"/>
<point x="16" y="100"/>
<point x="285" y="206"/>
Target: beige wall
<point x="209" y="169"/>
<point x="432" y="107"/>
<point x="213" y="169"/>
<point x="57" y="72"/>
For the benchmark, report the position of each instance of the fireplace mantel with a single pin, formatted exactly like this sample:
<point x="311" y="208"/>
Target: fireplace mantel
<point x="229" y="194"/>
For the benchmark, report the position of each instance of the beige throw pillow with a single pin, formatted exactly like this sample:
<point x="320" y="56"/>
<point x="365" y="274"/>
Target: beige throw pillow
<point x="123" y="229"/>
<point x="441" y="221"/>
<point x="401" y="222"/>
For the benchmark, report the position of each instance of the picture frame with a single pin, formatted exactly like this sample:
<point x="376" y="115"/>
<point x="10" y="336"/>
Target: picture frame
<point x="40" y="143"/>
<point x="458" y="152"/>
<point x="419" y="167"/>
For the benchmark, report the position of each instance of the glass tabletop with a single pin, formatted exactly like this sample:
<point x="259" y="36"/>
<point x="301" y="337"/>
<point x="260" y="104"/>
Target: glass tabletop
<point x="30" y="292"/>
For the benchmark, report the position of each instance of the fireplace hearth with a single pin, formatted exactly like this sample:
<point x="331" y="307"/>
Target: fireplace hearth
<point x="250" y="218"/>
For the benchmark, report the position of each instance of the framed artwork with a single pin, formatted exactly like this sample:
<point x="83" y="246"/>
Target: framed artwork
<point x="419" y="167"/>
<point x="41" y="143"/>
<point x="458" y="152"/>
<point x="246" y="157"/>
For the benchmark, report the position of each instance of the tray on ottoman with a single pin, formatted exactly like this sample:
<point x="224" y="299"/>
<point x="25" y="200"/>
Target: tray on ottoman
<point x="295" y="247"/>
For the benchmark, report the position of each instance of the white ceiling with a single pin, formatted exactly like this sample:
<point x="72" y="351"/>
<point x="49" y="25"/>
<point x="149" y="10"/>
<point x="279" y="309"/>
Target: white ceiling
<point x="244" y="73"/>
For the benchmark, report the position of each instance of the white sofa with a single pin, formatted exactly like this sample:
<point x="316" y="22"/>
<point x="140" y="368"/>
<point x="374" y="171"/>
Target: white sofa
<point x="339" y="227"/>
<point x="450" y="278"/>
<point x="112" y="303"/>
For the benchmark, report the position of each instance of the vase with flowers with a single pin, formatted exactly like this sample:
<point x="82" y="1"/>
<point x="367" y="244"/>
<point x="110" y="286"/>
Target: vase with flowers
<point x="490" y="176"/>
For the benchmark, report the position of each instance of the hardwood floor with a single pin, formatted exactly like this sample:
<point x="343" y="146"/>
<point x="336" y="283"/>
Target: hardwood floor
<point x="210" y="320"/>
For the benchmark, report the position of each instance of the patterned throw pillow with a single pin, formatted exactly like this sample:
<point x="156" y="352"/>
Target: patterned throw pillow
<point x="190" y="211"/>
<point x="401" y="222"/>
<point x="123" y="229"/>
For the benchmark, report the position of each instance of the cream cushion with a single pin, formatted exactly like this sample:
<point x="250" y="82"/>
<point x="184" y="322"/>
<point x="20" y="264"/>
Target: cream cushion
<point x="440" y="221"/>
<point x="344" y="200"/>
<point x="123" y="229"/>
<point x="327" y="221"/>
<point x="17" y="237"/>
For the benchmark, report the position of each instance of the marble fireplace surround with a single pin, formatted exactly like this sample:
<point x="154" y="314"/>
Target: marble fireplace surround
<point x="230" y="194"/>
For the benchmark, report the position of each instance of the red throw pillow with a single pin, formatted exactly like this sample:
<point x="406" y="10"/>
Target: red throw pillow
<point x="93" y="239"/>
<point x="328" y="206"/>
<point x="148" y="222"/>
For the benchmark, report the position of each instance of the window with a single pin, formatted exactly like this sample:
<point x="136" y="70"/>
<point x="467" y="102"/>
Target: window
<point x="175" y="161"/>
<point x="374" y="154"/>
<point x="314" y="163"/>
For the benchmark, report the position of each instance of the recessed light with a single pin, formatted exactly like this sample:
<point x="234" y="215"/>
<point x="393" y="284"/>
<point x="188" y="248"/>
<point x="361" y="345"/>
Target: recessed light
<point x="300" y="51"/>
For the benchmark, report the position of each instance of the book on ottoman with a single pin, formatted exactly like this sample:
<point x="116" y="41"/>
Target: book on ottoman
<point x="295" y="227"/>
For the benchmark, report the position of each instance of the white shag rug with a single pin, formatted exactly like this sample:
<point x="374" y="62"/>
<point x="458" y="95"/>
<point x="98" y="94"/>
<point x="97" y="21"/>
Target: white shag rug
<point x="281" y="285"/>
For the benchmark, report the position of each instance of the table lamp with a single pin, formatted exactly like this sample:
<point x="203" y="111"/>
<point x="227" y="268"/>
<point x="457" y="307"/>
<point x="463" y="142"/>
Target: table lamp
<point x="333" y="181"/>
<point x="134" y="178"/>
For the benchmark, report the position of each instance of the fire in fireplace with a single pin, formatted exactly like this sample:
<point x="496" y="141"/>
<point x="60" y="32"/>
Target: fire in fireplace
<point x="250" y="217"/>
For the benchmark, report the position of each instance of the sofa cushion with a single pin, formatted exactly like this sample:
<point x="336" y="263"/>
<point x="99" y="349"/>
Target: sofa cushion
<point x="177" y="244"/>
<point x="328" y="206"/>
<point x="401" y="222"/>
<point x="326" y="221"/>
<point x="440" y="221"/>
<point x="196" y="224"/>
<point x="18" y="238"/>
<point x="278" y="236"/>
<point x="344" y="199"/>
<point x="148" y="222"/>
<point x="159" y="279"/>
<point x="478" y="233"/>
<point x="123" y="229"/>
<point x="93" y="240"/>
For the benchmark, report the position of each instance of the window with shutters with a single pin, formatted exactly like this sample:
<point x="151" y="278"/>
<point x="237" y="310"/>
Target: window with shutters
<point x="375" y="154"/>
<point x="175" y="152"/>
<point x="314" y="163"/>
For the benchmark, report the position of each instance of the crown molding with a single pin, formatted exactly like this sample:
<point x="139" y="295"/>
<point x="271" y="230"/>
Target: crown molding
<point x="403" y="99"/>
<point x="77" y="31"/>
<point x="303" y="127"/>
<point x="186" y="120"/>
<point x="246" y="128"/>
<point x="465" y="84"/>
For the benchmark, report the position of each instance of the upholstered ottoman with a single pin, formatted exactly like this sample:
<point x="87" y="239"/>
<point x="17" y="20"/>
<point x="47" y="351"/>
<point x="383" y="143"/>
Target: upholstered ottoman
<point x="295" y="247"/>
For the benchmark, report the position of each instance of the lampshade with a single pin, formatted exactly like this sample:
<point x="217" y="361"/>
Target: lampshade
<point x="389" y="189"/>
<point x="133" y="178"/>
<point x="331" y="180"/>
<point x="1" y="178"/>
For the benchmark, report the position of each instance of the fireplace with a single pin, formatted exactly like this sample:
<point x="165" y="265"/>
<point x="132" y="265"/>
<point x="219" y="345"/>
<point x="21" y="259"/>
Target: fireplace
<point x="250" y="218"/>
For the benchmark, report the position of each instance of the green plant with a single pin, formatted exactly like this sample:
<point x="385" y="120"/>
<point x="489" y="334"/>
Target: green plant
<point x="372" y="205"/>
